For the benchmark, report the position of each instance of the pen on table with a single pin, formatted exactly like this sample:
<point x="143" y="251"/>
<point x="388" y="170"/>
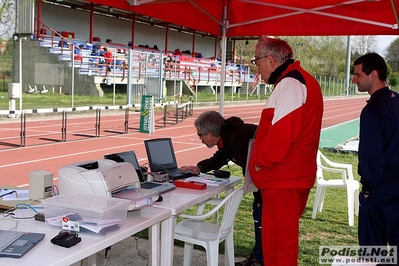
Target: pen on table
<point x="8" y="193"/>
<point x="212" y="179"/>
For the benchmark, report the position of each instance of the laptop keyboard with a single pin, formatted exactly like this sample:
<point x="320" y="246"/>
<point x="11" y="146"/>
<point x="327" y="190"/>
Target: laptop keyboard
<point x="177" y="175"/>
<point x="149" y="185"/>
<point x="8" y="237"/>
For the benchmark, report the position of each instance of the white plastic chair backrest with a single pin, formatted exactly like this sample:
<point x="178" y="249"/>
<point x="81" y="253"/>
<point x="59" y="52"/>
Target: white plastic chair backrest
<point x="345" y="169"/>
<point x="319" y="172"/>
<point x="232" y="202"/>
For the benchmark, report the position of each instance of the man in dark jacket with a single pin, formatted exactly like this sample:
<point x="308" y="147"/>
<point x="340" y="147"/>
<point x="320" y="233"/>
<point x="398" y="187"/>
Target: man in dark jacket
<point x="378" y="155"/>
<point x="231" y="136"/>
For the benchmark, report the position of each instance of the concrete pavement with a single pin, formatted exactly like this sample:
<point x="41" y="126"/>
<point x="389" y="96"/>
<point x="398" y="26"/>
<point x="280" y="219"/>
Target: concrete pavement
<point x="133" y="251"/>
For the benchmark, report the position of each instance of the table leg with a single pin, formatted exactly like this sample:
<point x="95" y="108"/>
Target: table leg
<point x="153" y="236"/>
<point x="92" y="260"/>
<point x="167" y="240"/>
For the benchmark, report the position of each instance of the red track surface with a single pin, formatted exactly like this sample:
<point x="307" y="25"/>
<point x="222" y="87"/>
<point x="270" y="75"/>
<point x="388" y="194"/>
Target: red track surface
<point x="38" y="154"/>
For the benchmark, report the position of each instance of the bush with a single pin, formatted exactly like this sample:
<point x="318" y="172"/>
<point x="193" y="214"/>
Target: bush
<point x="393" y="79"/>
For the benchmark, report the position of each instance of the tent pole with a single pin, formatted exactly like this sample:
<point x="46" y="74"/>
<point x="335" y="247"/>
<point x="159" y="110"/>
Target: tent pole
<point x="348" y="64"/>
<point x="223" y="63"/>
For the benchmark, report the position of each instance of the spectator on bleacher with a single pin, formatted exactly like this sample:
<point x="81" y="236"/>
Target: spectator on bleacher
<point x="176" y="63"/>
<point x="151" y="59"/>
<point x="77" y="51"/>
<point x="108" y="58"/>
<point x="168" y="61"/>
<point x="76" y="48"/>
<point x="87" y="46"/>
<point x="96" y="50"/>
<point x="177" y="52"/>
<point x="63" y="43"/>
<point x="108" y="41"/>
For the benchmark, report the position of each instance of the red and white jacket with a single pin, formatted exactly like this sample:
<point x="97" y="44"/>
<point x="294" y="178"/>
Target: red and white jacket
<point x="288" y="136"/>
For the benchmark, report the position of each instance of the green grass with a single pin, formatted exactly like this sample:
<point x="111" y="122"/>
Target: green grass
<point x="4" y="80"/>
<point x="329" y="228"/>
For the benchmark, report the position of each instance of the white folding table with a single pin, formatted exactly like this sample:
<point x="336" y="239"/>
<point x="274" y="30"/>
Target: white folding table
<point x="178" y="200"/>
<point x="46" y="253"/>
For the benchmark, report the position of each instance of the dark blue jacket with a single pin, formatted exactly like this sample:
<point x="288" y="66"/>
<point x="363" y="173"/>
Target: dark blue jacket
<point x="379" y="140"/>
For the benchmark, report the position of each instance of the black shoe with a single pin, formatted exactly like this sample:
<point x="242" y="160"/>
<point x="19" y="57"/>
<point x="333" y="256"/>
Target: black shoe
<point x="251" y="261"/>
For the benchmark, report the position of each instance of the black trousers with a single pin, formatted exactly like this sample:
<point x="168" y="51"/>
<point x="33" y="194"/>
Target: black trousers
<point x="379" y="217"/>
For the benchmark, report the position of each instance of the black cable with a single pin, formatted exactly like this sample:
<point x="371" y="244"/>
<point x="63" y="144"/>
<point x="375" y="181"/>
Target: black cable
<point x="139" y="251"/>
<point x="106" y="253"/>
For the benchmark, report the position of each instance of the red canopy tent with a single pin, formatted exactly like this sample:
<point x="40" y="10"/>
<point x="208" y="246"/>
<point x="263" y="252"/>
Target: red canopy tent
<point x="274" y="17"/>
<point x="248" y="18"/>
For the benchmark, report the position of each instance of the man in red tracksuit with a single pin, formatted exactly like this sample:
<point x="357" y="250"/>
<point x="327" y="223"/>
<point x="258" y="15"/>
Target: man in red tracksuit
<point x="283" y="161"/>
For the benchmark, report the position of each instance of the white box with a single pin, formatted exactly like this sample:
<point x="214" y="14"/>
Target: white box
<point x="40" y="184"/>
<point x="98" y="214"/>
<point x="14" y="90"/>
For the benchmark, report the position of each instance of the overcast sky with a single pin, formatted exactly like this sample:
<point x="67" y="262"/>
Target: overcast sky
<point x="384" y="41"/>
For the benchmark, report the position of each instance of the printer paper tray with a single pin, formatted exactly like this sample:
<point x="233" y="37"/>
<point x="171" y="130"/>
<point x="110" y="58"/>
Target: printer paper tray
<point x="139" y="197"/>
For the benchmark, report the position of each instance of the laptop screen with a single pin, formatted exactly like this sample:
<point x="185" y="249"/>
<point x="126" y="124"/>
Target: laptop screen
<point x="129" y="157"/>
<point x="160" y="153"/>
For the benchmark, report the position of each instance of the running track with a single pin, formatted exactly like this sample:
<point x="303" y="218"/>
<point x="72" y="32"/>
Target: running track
<point x="18" y="162"/>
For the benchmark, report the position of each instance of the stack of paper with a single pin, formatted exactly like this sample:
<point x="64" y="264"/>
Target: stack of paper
<point x="210" y="181"/>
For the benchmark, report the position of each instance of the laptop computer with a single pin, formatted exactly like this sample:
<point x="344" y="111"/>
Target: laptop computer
<point x="130" y="157"/>
<point x="161" y="158"/>
<point x="15" y="244"/>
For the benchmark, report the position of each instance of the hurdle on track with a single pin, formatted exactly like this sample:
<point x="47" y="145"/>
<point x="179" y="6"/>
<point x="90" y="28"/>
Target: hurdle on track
<point x="63" y="129"/>
<point x="21" y="136"/>
<point x="180" y="112"/>
<point x="96" y="127"/>
<point x="125" y="124"/>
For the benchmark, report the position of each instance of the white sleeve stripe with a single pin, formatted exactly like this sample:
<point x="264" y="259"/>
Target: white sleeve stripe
<point x="287" y="96"/>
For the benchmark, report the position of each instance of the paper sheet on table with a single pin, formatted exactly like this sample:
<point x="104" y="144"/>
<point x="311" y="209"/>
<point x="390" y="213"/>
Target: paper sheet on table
<point x="94" y="225"/>
<point x="210" y="181"/>
<point x="22" y="194"/>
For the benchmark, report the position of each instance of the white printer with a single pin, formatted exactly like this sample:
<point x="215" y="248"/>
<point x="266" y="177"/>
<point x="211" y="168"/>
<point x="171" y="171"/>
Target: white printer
<point x="101" y="177"/>
<point x="105" y="178"/>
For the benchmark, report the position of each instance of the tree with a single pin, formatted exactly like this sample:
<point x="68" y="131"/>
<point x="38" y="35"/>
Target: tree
<point x="364" y="44"/>
<point x="392" y="56"/>
<point x="320" y="55"/>
<point x="334" y="55"/>
<point x="7" y="18"/>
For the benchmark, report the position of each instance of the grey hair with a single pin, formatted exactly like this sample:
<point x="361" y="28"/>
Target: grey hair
<point x="278" y="48"/>
<point x="209" y="121"/>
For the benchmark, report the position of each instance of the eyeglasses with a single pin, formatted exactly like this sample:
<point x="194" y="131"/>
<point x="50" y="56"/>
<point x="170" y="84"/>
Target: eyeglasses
<point x="253" y="61"/>
<point x="201" y="134"/>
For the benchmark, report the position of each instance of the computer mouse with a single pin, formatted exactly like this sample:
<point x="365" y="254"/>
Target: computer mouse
<point x="160" y="198"/>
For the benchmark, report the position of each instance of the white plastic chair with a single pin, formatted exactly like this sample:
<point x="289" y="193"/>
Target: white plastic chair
<point x="195" y="231"/>
<point x="44" y="90"/>
<point x="32" y="90"/>
<point x="346" y="181"/>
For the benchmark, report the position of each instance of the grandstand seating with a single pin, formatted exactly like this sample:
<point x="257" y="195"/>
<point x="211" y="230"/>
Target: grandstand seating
<point x="145" y="61"/>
